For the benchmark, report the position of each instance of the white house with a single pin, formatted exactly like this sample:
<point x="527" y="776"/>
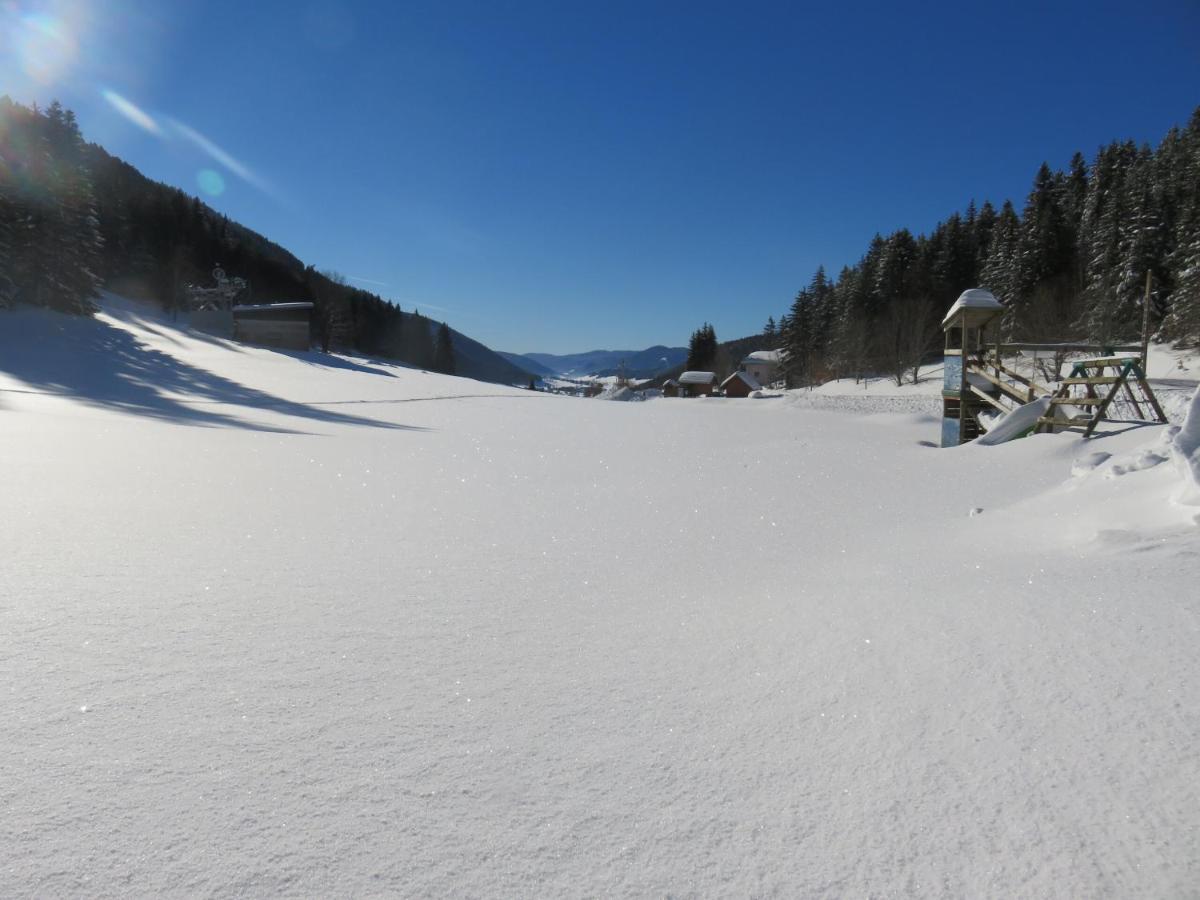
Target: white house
<point x="763" y="365"/>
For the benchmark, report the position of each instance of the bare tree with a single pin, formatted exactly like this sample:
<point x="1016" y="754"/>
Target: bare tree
<point x="904" y="335"/>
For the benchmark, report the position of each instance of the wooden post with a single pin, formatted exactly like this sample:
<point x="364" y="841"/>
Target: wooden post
<point x="1146" y="324"/>
<point x="962" y="380"/>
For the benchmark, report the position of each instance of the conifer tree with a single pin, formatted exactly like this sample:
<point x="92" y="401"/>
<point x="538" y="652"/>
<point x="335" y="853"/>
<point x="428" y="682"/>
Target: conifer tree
<point x="443" y="354"/>
<point x="702" y="349"/>
<point x="419" y="340"/>
<point x="770" y="332"/>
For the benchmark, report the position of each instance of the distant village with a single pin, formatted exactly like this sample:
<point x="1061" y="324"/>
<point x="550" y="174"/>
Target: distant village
<point x="758" y="371"/>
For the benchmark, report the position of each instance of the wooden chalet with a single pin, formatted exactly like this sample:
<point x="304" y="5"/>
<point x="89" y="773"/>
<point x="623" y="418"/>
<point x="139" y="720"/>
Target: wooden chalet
<point x="740" y="384"/>
<point x="286" y="325"/>
<point x="697" y="384"/>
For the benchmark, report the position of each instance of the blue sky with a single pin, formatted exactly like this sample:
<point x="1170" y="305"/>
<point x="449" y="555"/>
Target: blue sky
<point x="566" y="176"/>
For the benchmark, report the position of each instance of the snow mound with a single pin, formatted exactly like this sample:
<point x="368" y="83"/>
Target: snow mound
<point x="1016" y="423"/>
<point x="1186" y="451"/>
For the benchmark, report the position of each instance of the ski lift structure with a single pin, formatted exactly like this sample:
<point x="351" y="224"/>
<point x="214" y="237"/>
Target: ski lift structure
<point x="985" y="378"/>
<point x="223" y="296"/>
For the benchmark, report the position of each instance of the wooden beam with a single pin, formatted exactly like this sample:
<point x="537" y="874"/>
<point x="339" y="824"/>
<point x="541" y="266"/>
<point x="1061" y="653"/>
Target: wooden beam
<point x="984" y="395"/>
<point x="1011" y="390"/>
<point x="1102" y="361"/>
<point x="1075" y="401"/>
<point x="1074" y="422"/>
<point x="1103" y="407"/>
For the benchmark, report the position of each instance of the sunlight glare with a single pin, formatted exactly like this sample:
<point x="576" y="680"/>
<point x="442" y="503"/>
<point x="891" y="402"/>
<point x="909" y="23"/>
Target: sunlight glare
<point x="40" y="44"/>
<point x="132" y="112"/>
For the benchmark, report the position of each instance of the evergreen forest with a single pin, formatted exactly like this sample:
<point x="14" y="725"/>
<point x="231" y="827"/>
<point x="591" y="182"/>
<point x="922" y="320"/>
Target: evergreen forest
<point x="1070" y="265"/>
<point x="74" y="219"/>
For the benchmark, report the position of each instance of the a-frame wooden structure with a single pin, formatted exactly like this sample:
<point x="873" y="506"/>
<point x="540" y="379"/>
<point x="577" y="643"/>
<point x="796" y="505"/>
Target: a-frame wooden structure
<point x="1092" y="387"/>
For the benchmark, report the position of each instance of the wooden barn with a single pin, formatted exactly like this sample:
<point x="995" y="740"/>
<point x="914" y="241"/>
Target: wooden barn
<point x="286" y="325"/>
<point x="670" y="388"/>
<point x="697" y="384"/>
<point x="740" y="384"/>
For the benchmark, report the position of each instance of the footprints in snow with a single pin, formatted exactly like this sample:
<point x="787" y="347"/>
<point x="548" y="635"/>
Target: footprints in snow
<point x="1137" y="462"/>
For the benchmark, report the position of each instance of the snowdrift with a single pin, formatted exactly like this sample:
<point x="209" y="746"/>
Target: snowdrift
<point x="293" y="624"/>
<point x="1186" y="447"/>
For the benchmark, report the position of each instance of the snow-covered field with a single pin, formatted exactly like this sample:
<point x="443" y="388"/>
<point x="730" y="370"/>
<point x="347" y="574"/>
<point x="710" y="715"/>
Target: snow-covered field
<point x="289" y="624"/>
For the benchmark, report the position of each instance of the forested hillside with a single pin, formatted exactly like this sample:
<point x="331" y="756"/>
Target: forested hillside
<point x="74" y="218"/>
<point x="1070" y="265"/>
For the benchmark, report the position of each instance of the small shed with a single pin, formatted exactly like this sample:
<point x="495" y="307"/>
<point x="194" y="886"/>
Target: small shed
<point x="763" y="365"/>
<point x="286" y="325"/>
<point x="697" y="384"/>
<point x="670" y="388"/>
<point x="740" y="384"/>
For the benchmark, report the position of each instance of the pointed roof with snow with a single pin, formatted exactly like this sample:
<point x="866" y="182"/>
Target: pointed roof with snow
<point x="982" y="305"/>
<point x="750" y="380"/>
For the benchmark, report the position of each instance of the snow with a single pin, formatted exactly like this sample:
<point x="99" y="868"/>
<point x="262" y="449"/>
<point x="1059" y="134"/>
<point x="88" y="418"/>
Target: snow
<point x="1015" y="423"/>
<point x="291" y="624"/>
<point x="768" y="356"/>
<point x="697" y="378"/>
<point x="1186" y="447"/>
<point x="972" y="298"/>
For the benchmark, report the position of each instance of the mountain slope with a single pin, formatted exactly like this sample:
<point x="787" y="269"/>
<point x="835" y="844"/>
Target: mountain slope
<point x="640" y="363"/>
<point x="532" y="366"/>
<point x="148" y="240"/>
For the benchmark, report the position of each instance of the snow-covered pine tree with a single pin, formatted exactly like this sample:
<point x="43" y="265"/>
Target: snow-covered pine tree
<point x="851" y="341"/>
<point x="795" y="340"/>
<point x="1182" y="322"/>
<point x="1100" y="241"/>
<point x="999" y="271"/>
<point x="1180" y="177"/>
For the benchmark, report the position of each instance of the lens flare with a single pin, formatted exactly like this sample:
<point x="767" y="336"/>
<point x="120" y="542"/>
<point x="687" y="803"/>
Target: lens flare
<point x="210" y="182"/>
<point x="44" y="47"/>
<point x="132" y="112"/>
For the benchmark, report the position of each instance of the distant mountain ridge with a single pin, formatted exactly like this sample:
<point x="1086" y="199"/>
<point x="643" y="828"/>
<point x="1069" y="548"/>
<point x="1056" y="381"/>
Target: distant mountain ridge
<point x="638" y="363"/>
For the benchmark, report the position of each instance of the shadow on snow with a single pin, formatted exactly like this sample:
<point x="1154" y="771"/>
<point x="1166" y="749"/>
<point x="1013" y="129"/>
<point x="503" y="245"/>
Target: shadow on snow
<point x="108" y="367"/>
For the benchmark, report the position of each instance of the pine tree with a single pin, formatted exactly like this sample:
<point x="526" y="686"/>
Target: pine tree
<point x="8" y="227"/>
<point x="1182" y="322"/>
<point x="419" y="350"/>
<point x="770" y="333"/>
<point x="443" y="353"/>
<point x="702" y="349"/>
<point x="999" y="272"/>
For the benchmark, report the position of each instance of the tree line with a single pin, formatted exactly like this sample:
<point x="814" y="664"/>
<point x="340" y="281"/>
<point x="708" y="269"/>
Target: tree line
<point x="1070" y="266"/>
<point x="74" y="219"/>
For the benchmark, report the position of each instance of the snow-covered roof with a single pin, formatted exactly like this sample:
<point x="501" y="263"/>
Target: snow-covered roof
<point x="761" y="356"/>
<point x="671" y="381"/>
<point x="973" y="298"/>
<point x="697" y="377"/>
<point x="295" y="304"/>
<point x="750" y="380"/>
